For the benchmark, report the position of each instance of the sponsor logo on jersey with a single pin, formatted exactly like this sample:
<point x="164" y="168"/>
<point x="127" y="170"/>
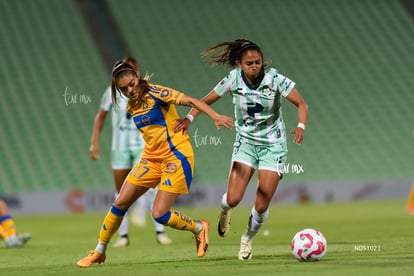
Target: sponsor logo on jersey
<point x="253" y="108"/>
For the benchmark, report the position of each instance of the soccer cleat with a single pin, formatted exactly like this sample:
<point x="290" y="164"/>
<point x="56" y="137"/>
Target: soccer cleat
<point x="24" y="238"/>
<point x="121" y="242"/>
<point x="202" y="239"/>
<point x="245" y="252"/>
<point x="13" y="242"/>
<point x="163" y="239"/>
<point x="223" y="226"/>
<point x="93" y="257"/>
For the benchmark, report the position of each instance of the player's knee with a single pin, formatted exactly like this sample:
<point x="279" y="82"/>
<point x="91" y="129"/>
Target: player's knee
<point x="163" y="219"/>
<point x="233" y="201"/>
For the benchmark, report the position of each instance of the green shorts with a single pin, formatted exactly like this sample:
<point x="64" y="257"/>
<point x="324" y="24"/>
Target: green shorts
<point x="263" y="157"/>
<point x="124" y="159"/>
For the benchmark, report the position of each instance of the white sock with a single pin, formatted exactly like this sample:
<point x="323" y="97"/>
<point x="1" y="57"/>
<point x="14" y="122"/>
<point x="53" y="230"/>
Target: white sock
<point x="158" y="226"/>
<point x="101" y="248"/>
<point x="123" y="227"/>
<point x="224" y="205"/>
<point x="140" y="207"/>
<point x="150" y="197"/>
<point x="198" y="228"/>
<point x="256" y="222"/>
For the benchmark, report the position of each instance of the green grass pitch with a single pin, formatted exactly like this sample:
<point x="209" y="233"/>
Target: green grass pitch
<point x="364" y="238"/>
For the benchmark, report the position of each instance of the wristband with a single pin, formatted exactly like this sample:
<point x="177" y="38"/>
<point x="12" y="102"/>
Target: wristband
<point x="190" y="117"/>
<point x="301" y="125"/>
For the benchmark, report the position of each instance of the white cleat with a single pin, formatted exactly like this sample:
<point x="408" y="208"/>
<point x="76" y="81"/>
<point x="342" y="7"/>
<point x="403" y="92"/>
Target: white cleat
<point x="163" y="239"/>
<point x="121" y="242"/>
<point x="245" y="252"/>
<point x="223" y="226"/>
<point x="13" y="242"/>
<point x="24" y="238"/>
<point x="137" y="219"/>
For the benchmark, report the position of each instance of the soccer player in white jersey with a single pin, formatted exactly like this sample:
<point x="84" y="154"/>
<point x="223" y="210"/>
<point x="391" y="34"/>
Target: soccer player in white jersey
<point x="127" y="145"/>
<point x="260" y="131"/>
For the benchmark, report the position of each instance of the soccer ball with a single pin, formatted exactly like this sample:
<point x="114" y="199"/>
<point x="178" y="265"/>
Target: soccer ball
<point x="309" y="245"/>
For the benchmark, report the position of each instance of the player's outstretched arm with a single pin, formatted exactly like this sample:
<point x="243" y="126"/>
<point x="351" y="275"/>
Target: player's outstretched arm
<point x="219" y="120"/>
<point x="183" y="124"/>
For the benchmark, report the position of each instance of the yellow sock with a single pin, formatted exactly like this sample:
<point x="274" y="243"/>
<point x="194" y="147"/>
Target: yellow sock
<point x="8" y="225"/>
<point x="3" y="233"/>
<point x="181" y="222"/>
<point x="111" y="224"/>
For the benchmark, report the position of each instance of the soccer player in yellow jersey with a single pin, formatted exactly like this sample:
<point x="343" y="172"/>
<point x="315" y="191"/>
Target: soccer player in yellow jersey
<point x="8" y="230"/>
<point x="127" y="145"/>
<point x="167" y="158"/>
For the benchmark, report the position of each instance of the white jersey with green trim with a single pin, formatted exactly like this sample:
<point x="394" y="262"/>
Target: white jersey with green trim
<point x="258" y="112"/>
<point x="125" y="135"/>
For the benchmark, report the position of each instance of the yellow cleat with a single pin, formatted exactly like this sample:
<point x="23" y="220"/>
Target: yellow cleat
<point x="93" y="257"/>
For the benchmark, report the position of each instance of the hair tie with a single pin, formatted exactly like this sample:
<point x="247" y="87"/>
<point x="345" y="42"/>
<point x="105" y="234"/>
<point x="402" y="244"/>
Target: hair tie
<point x="121" y="66"/>
<point x="248" y="44"/>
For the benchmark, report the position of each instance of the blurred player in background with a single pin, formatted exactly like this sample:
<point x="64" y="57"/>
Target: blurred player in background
<point x="167" y="158"/>
<point x="127" y="146"/>
<point x="8" y="230"/>
<point x="260" y="130"/>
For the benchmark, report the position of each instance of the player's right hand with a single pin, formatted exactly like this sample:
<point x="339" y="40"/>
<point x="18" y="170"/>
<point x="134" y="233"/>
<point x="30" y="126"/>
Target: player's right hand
<point x="94" y="152"/>
<point x="181" y="124"/>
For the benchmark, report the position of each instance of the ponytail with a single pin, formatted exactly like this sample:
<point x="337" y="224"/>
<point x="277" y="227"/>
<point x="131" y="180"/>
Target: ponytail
<point x="232" y="52"/>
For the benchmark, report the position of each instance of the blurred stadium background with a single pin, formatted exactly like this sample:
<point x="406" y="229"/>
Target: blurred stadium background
<point x="352" y="60"/>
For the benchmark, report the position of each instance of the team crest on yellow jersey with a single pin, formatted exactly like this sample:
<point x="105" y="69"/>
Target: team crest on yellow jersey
<point x="170" y="168"/>
<point x="146" y="119"/>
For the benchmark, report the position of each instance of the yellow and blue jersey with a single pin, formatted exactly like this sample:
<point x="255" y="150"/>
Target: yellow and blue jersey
<point x="155" y="118"/>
